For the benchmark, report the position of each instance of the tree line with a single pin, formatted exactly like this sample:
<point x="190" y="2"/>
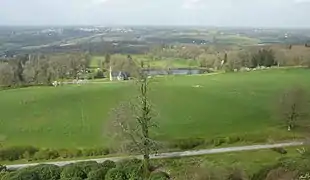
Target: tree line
<point x="234" y="57"/>
<point x="42" y="69"/>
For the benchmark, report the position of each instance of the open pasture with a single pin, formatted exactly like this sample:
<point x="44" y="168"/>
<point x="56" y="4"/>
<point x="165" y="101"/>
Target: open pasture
<point x="198" y="106"/>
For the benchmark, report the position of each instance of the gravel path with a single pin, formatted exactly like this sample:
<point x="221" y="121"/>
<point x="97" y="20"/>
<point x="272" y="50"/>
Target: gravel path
<point x="171" y="154"/>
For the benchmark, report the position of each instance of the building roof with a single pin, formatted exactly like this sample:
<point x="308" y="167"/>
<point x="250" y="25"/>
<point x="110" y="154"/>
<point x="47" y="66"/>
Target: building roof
<point x="123" y="74"/>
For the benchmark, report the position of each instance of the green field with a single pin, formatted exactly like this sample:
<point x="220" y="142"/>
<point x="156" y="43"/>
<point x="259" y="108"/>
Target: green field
<point x="232" y="104"/>
<point x="173" y="63"/>
<point x="160" y="64"/>
<point x="95" y="60"/>
<point x="237" y="39"/>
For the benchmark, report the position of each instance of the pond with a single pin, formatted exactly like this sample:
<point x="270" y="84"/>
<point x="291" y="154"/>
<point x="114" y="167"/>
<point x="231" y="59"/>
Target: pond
<point x="154" y="72"/>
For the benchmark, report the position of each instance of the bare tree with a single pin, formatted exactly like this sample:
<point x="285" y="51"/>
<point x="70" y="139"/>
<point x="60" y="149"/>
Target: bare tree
<point x="107" y="61"/>
<point x="31" y="71"/>
<point x="57" y="68"/>
<point x="245" y="58"/>
<point x="74" y="65"/>
<point x="281" y="56"/>
<point x="6" y="75"/>
<point x="36" y="71"/>
<point x="293" y="106"/>
<point x="234" y="62"/>
<point x="306" y="59"/>
<point x="308" y="63"/>
<point x="131" y="122"/>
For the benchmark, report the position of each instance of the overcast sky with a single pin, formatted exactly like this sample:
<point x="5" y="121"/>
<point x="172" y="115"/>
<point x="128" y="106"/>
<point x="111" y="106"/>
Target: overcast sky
<point x="259" y="13"/>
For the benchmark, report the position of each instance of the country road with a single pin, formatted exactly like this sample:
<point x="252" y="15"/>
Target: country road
<point x="170" y="154"/>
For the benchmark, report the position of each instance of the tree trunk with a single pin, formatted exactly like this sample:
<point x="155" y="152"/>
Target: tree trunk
<point x="111" y="78"/>
<point x="146" y="144"/>
<point x="146" y="165"/>
<point x="145" y="128"/>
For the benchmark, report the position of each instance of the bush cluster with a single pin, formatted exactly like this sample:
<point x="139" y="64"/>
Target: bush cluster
<point x="217" y="172"/>
<point x="159" y="176"/>
<point x="2" y="168"/>
<point x="287" y="167"/>
<point x="185" y="144"/>
<point x="89" y="170"/>
<point x="31" y="153"/>
<point x="191" y="143"/>
<point x="3" y="171"/>
<point x="132" y="169"/>
<point x="16" y="153"/>
<point x="292" y="168"/>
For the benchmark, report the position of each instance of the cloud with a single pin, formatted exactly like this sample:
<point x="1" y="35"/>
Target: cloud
<point x="161" y="12"/>
<point x="211" y="4"/>
<point x="301" y="1"/>
<point x="99" y="1"/>
<point x="193" y="4"/>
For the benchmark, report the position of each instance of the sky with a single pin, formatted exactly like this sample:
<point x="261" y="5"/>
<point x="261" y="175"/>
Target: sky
<point x="236" y="13"/>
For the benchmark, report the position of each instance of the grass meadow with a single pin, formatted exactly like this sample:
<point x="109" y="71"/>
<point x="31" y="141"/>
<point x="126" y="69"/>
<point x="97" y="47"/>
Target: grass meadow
<point x="224" y="105"/>
<point x="158" y="64"/>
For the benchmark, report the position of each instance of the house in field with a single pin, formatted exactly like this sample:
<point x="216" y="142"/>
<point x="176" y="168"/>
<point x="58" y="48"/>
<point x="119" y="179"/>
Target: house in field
<point x="119" y="75"/>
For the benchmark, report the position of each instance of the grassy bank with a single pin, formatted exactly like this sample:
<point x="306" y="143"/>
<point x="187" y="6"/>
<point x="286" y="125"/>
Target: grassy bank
<point x="251" y="162"/>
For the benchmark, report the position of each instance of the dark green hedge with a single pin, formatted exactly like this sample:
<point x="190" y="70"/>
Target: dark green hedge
<point x="31" y="153"/>
<point x="87" y="170"/>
